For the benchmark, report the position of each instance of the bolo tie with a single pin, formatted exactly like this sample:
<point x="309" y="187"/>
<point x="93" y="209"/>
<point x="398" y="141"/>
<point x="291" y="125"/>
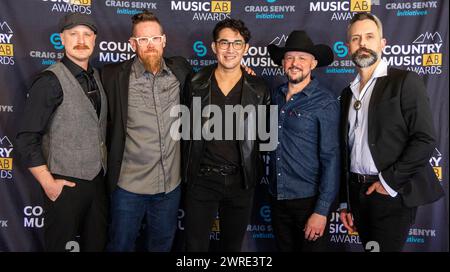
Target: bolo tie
<point x="358" y="103"/>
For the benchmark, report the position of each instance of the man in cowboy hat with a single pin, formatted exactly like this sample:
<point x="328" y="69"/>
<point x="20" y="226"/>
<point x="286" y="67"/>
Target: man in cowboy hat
<point x="305" y="166"/>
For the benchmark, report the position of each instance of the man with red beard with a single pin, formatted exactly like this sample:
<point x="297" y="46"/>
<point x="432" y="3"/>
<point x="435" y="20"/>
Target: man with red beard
<point x="62" y="140"/>
<point x="387" y="139"/>
<point x="145" y="161"/>
<point x="305" y="166"/>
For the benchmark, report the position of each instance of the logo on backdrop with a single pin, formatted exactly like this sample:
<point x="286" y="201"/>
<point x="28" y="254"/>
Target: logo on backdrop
<point x="342" y="10"/>
<point x="203" y="11"/>
<point x="435" y="162"/>
<point x="265" y="179"/>
<point x="423" y="55"/>
<point x="270" y="12"/>
<point x="6" y="108"/>
<point x="65" y="6"/>
<point x="49" y="57"/>
<point x="130" y="7"/>
<point x="343" y="64"/>
<point x="419" y="236"/>
<point x="411" y="8"/>
<point x="199" y="61"/>
<point x="33" y="217"/>
<point x="199" y="48"/>
<point x="264" y="229"/>
<point x="258" y="57"/>
<point x="6" y="45"/>
<point x="214" y="235"/>
<point x="6" y="158"/>
<point x="112" y="51"/>
<point x="3" y="223"/>
<point x="55" y="39"/>
<point x="339" y="234"/>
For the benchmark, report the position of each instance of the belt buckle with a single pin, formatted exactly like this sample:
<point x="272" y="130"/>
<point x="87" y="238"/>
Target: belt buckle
<point x="364" y="179"/>
<point x="361" y="178"/>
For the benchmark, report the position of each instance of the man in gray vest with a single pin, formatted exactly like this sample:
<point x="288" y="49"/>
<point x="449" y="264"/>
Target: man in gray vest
<point x="61" y="140"/>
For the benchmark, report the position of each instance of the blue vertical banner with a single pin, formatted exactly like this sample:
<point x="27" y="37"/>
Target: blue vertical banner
<point x="417" y="40"/>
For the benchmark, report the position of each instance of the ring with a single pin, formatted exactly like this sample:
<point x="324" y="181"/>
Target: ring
<point x="317" y="234"/>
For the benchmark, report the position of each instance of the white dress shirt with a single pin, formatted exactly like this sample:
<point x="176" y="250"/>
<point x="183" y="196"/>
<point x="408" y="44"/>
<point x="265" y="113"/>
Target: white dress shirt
<point x="361" y="161"/>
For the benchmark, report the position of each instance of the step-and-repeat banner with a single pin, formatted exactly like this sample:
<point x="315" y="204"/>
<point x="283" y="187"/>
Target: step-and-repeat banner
<point x="417" y="38"/>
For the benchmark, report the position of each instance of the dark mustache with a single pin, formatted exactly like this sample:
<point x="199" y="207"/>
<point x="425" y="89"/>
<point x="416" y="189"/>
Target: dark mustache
<point x="366" y="50"/>
<point x="295" y="67"/>
<point x="80" y="47"/>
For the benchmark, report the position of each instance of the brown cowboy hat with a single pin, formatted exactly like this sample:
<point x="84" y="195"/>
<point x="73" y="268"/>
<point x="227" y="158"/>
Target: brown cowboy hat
<point x="298" y="40"/>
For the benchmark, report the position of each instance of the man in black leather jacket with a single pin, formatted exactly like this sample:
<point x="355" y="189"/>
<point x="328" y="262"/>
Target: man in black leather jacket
<point x="224" y="163"/>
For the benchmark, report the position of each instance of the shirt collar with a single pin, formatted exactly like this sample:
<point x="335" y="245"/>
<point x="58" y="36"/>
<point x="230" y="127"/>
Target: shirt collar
<point x="74" y="68"/>
<point x="308" y="90"/>
<point x="380" y="71"/>
<point x="139" y="68"/>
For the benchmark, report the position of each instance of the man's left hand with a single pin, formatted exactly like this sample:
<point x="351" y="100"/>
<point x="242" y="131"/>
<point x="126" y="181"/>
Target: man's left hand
<point x="248" y="70"/>
<point x="377" y="186"/>
<point x="315" y="226"/>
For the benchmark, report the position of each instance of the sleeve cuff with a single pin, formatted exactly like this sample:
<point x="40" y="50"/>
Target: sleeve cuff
<point x="322" y="207"/>
<point x="388" y="189"/>
<point x="343" y="206"/>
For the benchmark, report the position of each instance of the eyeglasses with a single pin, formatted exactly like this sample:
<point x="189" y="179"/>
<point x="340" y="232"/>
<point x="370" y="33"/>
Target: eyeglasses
<point x="224" y="44"/>
<point x="144" y="41"/>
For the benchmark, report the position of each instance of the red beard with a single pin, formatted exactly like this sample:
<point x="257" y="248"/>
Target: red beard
<point x="152" y="62"/>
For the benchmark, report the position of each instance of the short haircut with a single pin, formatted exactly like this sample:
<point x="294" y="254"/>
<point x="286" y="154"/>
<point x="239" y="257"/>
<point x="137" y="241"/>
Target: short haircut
<point x="365" y="16"/>
<point x="234" y="24"/>
<point x="145" y="16"/>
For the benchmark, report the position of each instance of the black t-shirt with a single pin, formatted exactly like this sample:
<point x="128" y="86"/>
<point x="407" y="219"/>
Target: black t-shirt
<point x="224" y="152"/>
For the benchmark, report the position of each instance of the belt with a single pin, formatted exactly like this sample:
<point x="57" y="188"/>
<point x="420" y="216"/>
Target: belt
<point x="226" y="170"/>
<point x="359" y="178"/>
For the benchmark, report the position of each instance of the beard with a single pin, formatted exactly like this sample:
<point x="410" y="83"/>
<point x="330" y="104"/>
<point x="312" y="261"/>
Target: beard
<point x="297" y="79"/>
<point x="152" y="62"/>
<point x="363" y="61"/>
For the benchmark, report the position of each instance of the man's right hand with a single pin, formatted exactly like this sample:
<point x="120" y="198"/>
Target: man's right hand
<point x="347" y="220"/>
<point x="54" y="188"/>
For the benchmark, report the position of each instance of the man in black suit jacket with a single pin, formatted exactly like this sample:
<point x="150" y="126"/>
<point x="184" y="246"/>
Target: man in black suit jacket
<point x="387" y="139"/>
<point x="144" y="173"/>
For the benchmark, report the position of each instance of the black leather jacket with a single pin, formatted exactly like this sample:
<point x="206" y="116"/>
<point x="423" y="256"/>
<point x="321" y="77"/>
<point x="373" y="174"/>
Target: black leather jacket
<point x="254" y="92"/>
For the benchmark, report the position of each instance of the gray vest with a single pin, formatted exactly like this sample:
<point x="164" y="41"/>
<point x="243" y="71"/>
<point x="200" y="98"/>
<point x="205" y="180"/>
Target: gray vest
<point x="74" y="144"/>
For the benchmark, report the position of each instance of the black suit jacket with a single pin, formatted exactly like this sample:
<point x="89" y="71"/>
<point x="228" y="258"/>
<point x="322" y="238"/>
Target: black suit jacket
<point x="116" y="78"/>
<point x="401" y="138"/>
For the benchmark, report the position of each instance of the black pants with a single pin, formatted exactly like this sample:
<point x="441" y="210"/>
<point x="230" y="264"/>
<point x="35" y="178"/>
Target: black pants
<point x="204" y="198"/>
<point x="289" y="218"/>
<point x="380" y="218"/>
<point x="80" y="210"/>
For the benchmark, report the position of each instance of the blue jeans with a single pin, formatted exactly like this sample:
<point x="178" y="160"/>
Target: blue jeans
<point x="128" y="210"/>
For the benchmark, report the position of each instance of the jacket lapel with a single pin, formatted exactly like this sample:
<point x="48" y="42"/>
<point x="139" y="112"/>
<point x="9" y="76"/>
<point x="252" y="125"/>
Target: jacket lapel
<point x="124" y="81"/>
<point x="346" y="99"/>
<point x="377" y="94"/>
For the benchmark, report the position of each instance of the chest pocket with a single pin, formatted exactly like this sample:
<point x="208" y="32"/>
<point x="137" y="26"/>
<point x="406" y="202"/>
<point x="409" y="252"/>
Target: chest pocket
<point x="301" y="122"/>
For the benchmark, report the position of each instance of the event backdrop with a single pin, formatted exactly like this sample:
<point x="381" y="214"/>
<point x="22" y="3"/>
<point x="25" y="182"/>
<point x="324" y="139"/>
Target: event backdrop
<point x="417" y="38"/>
